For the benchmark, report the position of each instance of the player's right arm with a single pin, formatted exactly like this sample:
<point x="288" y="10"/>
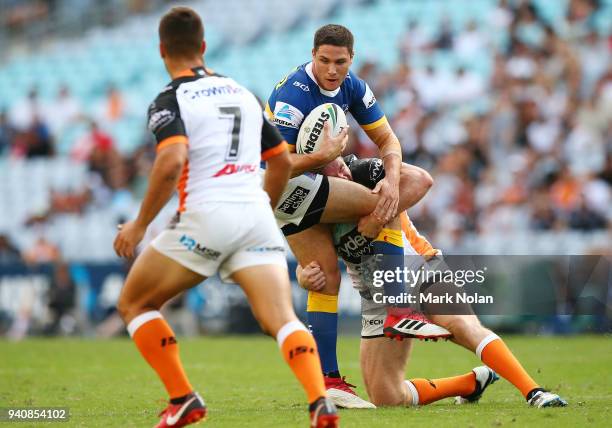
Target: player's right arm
<point x="172" y="151"/>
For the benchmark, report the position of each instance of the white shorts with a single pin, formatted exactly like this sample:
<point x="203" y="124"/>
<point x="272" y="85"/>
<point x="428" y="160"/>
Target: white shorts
<point x="302" y="202"/>
<point x="372" y="319"/>
<point x="223" y="237"/>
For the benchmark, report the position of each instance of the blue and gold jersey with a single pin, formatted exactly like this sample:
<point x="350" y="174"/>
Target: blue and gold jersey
<point x="298" y="94"/>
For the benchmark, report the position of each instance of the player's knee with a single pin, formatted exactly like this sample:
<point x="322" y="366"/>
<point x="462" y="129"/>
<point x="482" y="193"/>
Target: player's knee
<point x="461" y="326"/>
<point x="416" y="176"/>
<point x="387" y="394"/>
<point x="125" y="308"/>
<point x="129" y="309"/>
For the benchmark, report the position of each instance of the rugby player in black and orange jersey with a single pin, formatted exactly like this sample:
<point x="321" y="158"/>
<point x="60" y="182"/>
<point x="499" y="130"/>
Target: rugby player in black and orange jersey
<point x="383" y="362"/>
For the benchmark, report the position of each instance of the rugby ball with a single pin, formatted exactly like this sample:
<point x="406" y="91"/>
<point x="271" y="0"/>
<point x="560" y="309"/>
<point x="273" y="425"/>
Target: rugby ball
<point x="310" y="135"/>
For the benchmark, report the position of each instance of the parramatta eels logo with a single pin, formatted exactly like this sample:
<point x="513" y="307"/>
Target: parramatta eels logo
<point x="285" y="112"/>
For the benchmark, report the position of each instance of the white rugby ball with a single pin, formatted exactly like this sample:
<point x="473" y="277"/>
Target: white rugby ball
<point x="311" y="132"/>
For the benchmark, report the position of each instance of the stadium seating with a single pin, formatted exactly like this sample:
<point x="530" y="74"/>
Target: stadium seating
<point x="266" y="47"/>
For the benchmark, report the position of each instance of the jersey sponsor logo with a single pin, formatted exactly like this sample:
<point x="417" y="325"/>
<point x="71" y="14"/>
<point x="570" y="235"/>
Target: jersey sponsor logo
<point x="304" y="87"/>
<point x="212" y="91"/>
<point x="233" y="168"/>
<point x="368" y="98"/>
<point x="287" y="115"/>
<point x="194" y="246"/>
<point x="160" y="119"/>
<point x="353" y="246"/>
<point x="277" y="249"/>
<point x="294" y="200"/>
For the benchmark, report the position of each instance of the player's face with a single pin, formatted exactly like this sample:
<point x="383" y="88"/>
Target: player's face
<point x="331" y="65"/>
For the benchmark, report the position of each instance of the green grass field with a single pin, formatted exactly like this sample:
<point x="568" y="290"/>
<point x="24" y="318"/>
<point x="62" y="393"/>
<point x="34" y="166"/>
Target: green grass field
<point x="245" y="383"/>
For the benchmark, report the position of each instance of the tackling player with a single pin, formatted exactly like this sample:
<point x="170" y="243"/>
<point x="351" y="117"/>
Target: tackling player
<point x="211" y="136"/>
<point x="311" y="200"/>
<point x="383" y="361"/>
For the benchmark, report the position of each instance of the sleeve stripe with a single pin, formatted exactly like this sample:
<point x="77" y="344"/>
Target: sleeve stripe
<point x="376" y="124"/>
<point x="276" y="150"/>
<point x="177" y="139"/>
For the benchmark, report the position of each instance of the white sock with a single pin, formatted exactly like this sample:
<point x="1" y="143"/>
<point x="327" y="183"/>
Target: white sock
<point x="141" y="319"/>
<point x="490" y="338"/>
<point x="287" y="329"/>
<point x="414" y="392"/>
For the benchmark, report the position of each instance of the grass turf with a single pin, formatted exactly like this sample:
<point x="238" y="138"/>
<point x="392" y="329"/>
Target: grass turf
<point x="245" y="383"/>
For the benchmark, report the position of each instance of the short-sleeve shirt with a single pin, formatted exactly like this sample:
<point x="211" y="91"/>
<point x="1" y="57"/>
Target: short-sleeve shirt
<point x="295" y="96"/>
<point x="227" y="136"/>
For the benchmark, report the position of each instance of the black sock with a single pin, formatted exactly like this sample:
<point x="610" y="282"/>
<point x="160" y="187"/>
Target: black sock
<point x="179" y="400"/>
<point x="312" y="406"/>
<point x="533" y="392"/>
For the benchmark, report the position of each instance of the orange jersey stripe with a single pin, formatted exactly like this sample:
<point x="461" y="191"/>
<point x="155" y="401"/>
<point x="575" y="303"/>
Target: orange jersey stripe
<point x="188" y="72"/>
<point x="182" y="187"/>
<point x="177" y="139"/>
<point x="276" y="150"/>
<point x="417" y="241"/>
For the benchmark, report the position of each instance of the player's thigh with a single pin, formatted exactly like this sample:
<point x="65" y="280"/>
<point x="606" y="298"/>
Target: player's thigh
<point x="153" y="279"/>
<point x="383" y="364"/>
<point x="268" y="290"/>
<point x="347" y="202"/>
<point x="316" y="244"/>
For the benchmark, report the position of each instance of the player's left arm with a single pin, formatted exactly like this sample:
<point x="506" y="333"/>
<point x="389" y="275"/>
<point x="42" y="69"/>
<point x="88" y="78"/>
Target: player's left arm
<point x="368" y="113"/>
<point x="275" y="153"/>
<point x="391" y="154"/>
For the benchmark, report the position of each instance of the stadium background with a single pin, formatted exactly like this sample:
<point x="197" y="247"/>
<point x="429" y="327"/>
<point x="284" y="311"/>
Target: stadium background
<point x="508" y="104"/>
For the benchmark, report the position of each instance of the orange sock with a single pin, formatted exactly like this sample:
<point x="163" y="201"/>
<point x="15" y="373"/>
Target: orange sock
<point x="300" y="351"/>
<point x="430" y="390"/>
<point x="156" y="342"/>
<point x="495" y="354"/>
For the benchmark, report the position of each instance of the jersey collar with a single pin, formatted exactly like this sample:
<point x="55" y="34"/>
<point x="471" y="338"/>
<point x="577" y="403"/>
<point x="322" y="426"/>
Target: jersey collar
<point x="195" y="71"/>
<point x="331" y="94"/>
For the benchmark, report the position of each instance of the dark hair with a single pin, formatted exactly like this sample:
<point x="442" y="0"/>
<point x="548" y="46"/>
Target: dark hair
<point x="181" y="32"/>
<point x="335" y="35"/>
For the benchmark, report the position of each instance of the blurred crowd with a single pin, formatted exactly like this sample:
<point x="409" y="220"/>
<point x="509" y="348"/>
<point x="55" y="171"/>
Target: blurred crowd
<point x="526" y="145"/>
<point x="516" y="130"/>
<point x="529" y="148"/>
